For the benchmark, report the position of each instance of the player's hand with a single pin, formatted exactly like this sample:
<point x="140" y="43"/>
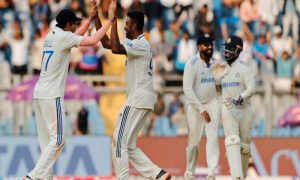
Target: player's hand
<point x="94" y="9"/>
<point x="227" y="102"/>
<point x="205" y="116"/>
<point x="237" y="100"/>
<point x="112" y="10"/>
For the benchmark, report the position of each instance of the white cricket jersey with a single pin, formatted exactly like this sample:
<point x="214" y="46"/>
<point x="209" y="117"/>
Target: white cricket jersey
<point x="198" y="83"/>
<point x="55" y="64"/>
<point x="239" y="81"/>
<point x="139" y="73"/>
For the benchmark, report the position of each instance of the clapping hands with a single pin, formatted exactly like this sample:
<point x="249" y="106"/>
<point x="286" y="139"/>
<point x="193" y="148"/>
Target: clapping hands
<point x="112" y="10"/>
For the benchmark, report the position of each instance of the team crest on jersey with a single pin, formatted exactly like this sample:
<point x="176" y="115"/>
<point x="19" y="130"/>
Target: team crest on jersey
<point x="237" y="75"/>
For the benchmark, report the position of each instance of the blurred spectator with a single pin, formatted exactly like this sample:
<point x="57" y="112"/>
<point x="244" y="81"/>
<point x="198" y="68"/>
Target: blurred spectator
<point x="36" y="52"/>
<point x="41" y="12"/>
<point x="230" y="20"/>
<point x="268" y="11"/>
<point x="90" y="61"/>
<point x="285" y="65"/>
<point x="6" y="12"/>
<point x="153" y="11"/>
<point x="174" y="105"/>
<point x="78" y="7"/>
<point x="179" y="121"/>
<point x="162" y="51"/>
<point x="164" y="127"/>
<point x="186" y="49"/>
<point x="82" y="122"/>
<point x="2" y="43"/>
<point x="205" y="21"/>
<point x="159" y="107"/>
<point x="184" y="6"/>
<point x="156" y="33"/>
<point x="248" y="39"/>
<point x="158" y="81"/>
<point x="249" y="14"/>
<point x="296" y="78"/>
<point x="56" y="6"/>
<point x="168" y="13"/>
<point x="173" y="34"/>
<point x="278" y="42"/>
<point x="44" y="28"/>
<point x="22" y="7"/>
<point x="290" y="11"/>
<point x="19" y="44"/>
<point x="5" y="74"/>
<point x="125" y="4"/>
<point x="136" y="6"/>
<point x="260" y="51"/>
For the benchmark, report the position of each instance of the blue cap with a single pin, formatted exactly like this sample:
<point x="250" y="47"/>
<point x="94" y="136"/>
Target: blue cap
<point x="65" y="16"/>
<point x="203" y="38"/>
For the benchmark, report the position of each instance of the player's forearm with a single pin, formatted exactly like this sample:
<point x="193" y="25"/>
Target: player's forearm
<point x="105" y="40"/>
<point x="188" y="90"/>
<point x="96" y="37"/>
<point x="84" y="27"/>
<point x="192" y="99"/>
<point x="116" y="46"/>
<point x="250" y="88"/>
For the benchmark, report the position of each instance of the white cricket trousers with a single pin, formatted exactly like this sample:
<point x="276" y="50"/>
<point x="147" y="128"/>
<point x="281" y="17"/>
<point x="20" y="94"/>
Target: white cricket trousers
<point x="238" y="122"/>
<point x="124" y="148"/>
<point x="49" y="115"/>
<point x="196" y="125"/>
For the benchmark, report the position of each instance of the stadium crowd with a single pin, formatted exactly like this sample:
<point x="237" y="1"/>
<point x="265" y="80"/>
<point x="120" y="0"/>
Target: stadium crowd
<point x="269" y="28"/>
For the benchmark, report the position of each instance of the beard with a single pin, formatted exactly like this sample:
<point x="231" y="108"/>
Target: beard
<point x="208" y="53"/>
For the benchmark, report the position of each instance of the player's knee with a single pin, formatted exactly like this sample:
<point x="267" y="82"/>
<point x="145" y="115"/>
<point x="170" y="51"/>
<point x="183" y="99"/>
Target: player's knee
<point x="232" y="140"/>
<point x="194" y="146"/>
<point x="245" y="148"/>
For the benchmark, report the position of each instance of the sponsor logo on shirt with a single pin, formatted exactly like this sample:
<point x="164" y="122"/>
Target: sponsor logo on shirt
<point x="208" y="80"/>
<point x="230" y="84"/>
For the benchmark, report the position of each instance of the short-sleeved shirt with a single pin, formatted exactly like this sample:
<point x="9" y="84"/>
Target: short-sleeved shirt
<point x="56" y="57"/>
<point x="139" y="73"/>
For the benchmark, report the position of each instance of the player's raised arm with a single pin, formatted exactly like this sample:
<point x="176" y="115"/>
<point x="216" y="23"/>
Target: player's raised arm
<point x="116" y="46"/>
<point x="105" y="40"/>
<point x="84" y="27"/>
<point x="93" y="40"/>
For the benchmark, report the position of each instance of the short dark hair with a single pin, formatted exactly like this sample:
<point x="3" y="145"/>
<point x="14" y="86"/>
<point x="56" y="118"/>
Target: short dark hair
<point x="138" y="18"/>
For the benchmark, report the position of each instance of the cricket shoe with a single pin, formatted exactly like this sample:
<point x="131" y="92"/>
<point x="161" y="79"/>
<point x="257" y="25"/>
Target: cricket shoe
<point x="27" y="178"/>
<point x="163" y="175"/>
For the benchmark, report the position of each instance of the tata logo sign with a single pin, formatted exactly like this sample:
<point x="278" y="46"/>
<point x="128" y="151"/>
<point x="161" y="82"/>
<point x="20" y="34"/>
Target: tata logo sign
<point x="81" y="156"/>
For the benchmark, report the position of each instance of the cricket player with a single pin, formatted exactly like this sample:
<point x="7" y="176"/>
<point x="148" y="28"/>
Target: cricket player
<point x="140" y="99"/>
<point x="238" y="83"/>
<point x="203" y="108"/>
<point x="49" y="90"/>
